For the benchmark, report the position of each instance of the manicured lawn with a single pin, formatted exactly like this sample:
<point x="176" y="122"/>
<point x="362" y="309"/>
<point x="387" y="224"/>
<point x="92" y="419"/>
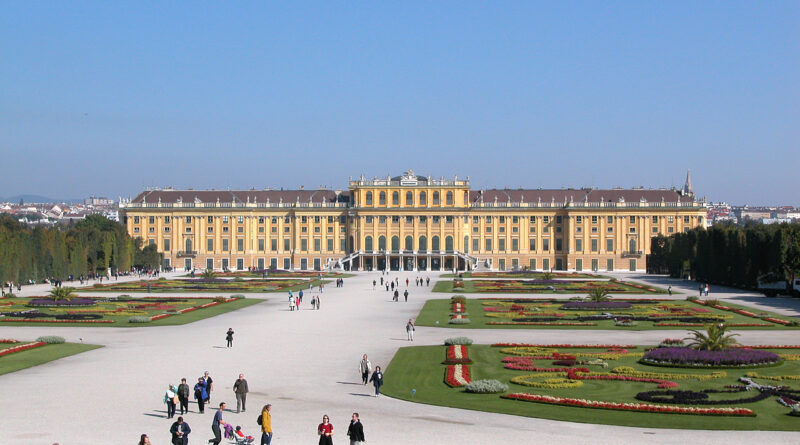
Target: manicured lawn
<point x="117" y="313"/>
<point x="37" y="356"/>
<point x="420" y="368"/>
<point x="546" y="287"/>
<point x="546" y="310"/>
<point x="524" y="274"/>
<point x="203" y="285"/>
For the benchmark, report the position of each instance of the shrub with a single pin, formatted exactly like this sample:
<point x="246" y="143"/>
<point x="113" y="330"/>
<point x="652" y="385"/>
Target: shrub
<point x="459" y="321"/>
<point x="162" y="279"/>
<point x="458" y="284"/>
<point x="712" y="302"/>
<point x="692" y="298"/>
<point x="793" y="323"/>
<point x="220" y="299"/>
<point x="97" y="285"/>
<point x="458" y="341"/>
<point x="458" y="299"/>
<point x="238" y="279"/>
<point x="625" y="323"/>
<point x="237" y="296"/>
<point x="459" y="313"/>
<point x="139" y="319"/>
<point x="486" y="387"/>
<point x="10" y="295"/>
<point x="51" y="339"/>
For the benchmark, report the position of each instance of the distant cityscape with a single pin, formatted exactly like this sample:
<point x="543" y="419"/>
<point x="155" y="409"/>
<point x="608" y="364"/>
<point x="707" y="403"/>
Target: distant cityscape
<point x="53" y="212"/>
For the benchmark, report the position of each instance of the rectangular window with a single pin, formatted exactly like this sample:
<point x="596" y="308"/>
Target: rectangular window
<point x="303" y="219"/>
<point x="166" y="245"/>
<point x="654" y="219"/>
<point x="670" y="229"/>
<point x="546" y="244"/>
<point x="532" y="264"/>
<point x="474" y="220"/>
<point x="286" y="219"/>
<point x="610" y="219"/>
<point x="260" y="230"/>
<point x="436" y="219"/>
<point x="261" y="220"/>
<point x="476" y="244"/>
<point x="594" y="245"/>
<point x="368" y="220"/>
<point x="303" y="245"/>
<point x="166" y="220"/>
<point x="546" y="220"/>
<point x="594" y="219"/>
<point x="239" y="263"/>
<point x="609" y="245"/>
<point x="686" y="219"/>
<point x="533" y="229"/>
<point x="303" y="264"/>
<point x="423" y="219"/>
<point x="287" y="264"/>
<point x="209" y="263"/>
<point x="240" y="229"/>
<point x="409" y="219"/>
<point x="515" y="229"/>
<point x="578" y="265"/>
<point x="286" y="229"/>
<point x="501" y="244"/>
<point x="514" y="245"/>
<point x="546" y="264"/>
<point x="610" y="265"/>
<point x="545" y="229"/>
<point x="225" y="229"/>
<point x="240" y="244"/>
<point x="225" y="219"/>
<point x="514" y="264"/>
<point x="533" y="220"/>
<point x="225" y="246"/>
<point x="579" y="245"/>
<point x="382" y="220"/>
<point x="632" y="220"/>
<point x="610" y="229"/>
<point x="532" y="244"/>
<point x="317" y="242"/>
<point x="330" y="220"/>
<point x="559" y="244"/>
<point x="655" y="229"/>
<point x="151" y="219"/>
<point x="448" y="219"/>
<point x="210" y="244"/>
<point x="316" y="220"/>
<point x="488" y="229"/>
<point x="210" y="220"/>
<point x="274" y="220"/>
<point x="578" y="219"/>
<point x="578" y="229"/>
<point x="488" y="244"/>
<point x="501" y="229"/>
<point x="287" y="244"/>
<point x="224" y="264"/>
<point x="188" y="220"/>
<point x="489" y="219"/>
<point x="273" y="245"/>
<point x="558" y="220"/>
<point x="240" y="219"/>
<point x="502" y="264"/>
<point x="502" y="219"/>
<point x="595" y="267"/>
<point x="475" y="229"/>
<point x="317" y="229"/>
<point x="273" y="263"/>
<point x="261" y="244"/>
<point x="395" y="219"/>
<point x="136" y="220"/>
<point x="330" y="244"/>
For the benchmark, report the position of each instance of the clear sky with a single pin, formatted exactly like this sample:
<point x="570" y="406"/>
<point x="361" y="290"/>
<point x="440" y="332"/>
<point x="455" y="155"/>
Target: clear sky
<point x="106" y="98"/>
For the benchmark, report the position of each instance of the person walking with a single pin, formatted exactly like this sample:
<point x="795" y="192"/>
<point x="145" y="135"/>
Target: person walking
<point x="266" y="424"/>
<point x="209" y="386"/>
<point x="169" y="398"/>
<point x="217" y="424"/>
<point x="377" y="380"/>
<point x="300" y="296"/>
<point x="396" y="296"/>
<point x="700" y="289"/>
<point x="428" y="281"/>
<point x="410" y="330"/>
<point x="200" y="394"/>
<point x="392" y="285"/>
<point x="406" y="282"/>
<point x="365" y="367"/>
<point x="297" y="303"/>
<point x="325" y="431"/>
<point x="144" y="440"/>
<point x="180" y="432"/>
<point x="405" y="295"/>
<point x="183" y="396"/>
<point x="373" y="284"/>
<point x="706" y="289"/>
<point x="291" y="302"/>
<point x="356" y="431"/>
<point x="229" y="337"/>
<point x="669" y="289"/>
<point x="317" y="302"/>
<point x="240" y="389"/>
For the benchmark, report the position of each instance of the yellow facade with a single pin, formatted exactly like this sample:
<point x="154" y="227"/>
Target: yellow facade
<point x="410" y="223"/>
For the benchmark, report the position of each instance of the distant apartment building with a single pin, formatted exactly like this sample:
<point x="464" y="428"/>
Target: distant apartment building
<point x="95" y="201"/>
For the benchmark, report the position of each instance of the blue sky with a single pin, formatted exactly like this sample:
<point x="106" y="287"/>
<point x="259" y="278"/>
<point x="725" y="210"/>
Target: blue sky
<point x="110" y="97"/>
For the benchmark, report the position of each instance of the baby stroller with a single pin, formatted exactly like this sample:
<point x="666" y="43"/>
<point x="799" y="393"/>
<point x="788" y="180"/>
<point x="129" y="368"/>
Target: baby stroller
<point x="241" y="438"/>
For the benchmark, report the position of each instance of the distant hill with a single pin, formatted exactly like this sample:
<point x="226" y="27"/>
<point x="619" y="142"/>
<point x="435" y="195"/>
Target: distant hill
<point x="28" y="199"/>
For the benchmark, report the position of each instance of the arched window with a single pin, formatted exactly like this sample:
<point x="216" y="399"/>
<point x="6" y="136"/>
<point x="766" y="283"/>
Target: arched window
<point x="188" y="244"/>
<point x="395" y="243"/>
<point x="409" y="198"/>
<point x="423" y="243"/>
<point x="369" y="198"/>
<point x="435" y="243"/>
<point x="423" y="199"/>
<point x="448" y="244"/>
<point x="395" y="199"/>
<point x="449" y="198"/>
<point x="382" y="198"/>
<point x="465" y="247"/>
<point x="368" y="244"/>
<point x="409" y="243"/>
<point x="436" y="198"/>
<point x="381" y="243"/>
<point x="632" y="244"/>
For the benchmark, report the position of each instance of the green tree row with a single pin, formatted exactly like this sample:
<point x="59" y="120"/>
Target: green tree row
<point x="730" y="255"/>
<point x="93" y="245"/>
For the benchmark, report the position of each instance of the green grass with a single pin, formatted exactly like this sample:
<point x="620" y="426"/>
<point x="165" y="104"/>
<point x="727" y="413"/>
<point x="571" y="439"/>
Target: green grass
<point x="196" y="285"/>
<point x="37" y="356"/>
<point x="526" y="275"/>
<point x="174" y="320"/>
<point x="420" y="368"/>
<point x="567" y="287"/>
<point x="439" y="310"/>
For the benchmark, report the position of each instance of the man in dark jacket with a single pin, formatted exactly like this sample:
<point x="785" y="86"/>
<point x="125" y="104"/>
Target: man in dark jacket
<point x="356" y="431"/>
<point x="183" y="396"/>
<point x="240" y="389"/>
<point x="180" y="432"/>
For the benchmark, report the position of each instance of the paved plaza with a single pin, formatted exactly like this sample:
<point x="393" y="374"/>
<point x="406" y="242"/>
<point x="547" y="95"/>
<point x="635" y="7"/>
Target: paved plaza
<point x="305" y="364"/>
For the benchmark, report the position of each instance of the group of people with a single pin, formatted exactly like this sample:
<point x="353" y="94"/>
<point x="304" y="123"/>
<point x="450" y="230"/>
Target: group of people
<point x="703" y="288"/>
<point x="365" y="367"/>
<point x="294" y="302"/>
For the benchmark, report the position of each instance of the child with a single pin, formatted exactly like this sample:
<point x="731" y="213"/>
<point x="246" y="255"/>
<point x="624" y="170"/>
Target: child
<point x="241" y="438"/>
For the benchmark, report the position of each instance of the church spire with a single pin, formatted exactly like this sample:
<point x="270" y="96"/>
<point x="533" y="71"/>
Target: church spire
<point x="687" y="186"/>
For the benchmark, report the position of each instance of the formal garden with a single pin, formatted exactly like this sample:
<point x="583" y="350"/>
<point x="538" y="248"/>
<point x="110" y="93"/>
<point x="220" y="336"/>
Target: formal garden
<point x="19" y="354"/>
<point x="205" y="285"/>
<point x="678" y="383"/>
<point x="544" y="286"/>
<point x="64" y="308"/>
<point x="596" y="311"/>
<point x="276" y="273"/>
<point x="543" y="275"/>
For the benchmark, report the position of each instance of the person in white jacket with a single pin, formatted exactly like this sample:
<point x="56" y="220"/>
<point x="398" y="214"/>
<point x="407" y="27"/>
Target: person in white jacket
<point x="365" y="367"/>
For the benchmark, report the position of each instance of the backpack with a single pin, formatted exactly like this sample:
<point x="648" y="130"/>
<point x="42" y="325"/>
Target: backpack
<point x="259" y="420"/>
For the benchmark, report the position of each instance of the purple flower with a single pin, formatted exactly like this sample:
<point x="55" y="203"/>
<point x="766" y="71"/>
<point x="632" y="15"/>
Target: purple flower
<point x="725" y="357"/>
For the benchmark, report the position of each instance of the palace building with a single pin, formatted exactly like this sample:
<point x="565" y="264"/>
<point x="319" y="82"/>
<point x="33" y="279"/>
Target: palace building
<point x="410" y="222"/>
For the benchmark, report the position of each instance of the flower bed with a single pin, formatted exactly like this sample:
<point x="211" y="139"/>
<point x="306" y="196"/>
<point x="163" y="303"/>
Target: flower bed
<point x="457" y="375"/>
<point x="541" y="323"/>
<point x="19" y="348"/>
<point x="596" y="305"/>
<point x="561" y="346"/>
<point x="72" y="302"/>
<point x="41" y="320"/>
<point x="639" y="407"/>
<point x="694" y="357"/>
<point x="199" y="285"/>
<point x="560" y="286"/>
<point x="457" y="354"/>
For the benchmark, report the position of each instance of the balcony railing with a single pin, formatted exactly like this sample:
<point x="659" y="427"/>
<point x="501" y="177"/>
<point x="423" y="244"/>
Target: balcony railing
<point x="632" y="254"/>
<point x="186" y="253"/>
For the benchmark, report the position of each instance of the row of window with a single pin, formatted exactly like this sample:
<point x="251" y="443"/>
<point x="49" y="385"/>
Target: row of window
<point x="240" y="219"/>
<point x="422" y="198"/>
<point x="240" y="244"/>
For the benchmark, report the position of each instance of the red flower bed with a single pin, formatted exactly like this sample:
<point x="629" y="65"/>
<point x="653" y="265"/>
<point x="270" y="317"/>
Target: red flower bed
<point x="457" y="375"/>
<point x="541" y="323"/>
<point x="8" y="340"/>
<point x="39" y="320"/>
<point x="563" y="346"/>
<point x="572" y="374"/>
<point x="639" y="407"/>
<point x="775" y="320"/>
<point x="159" y="317"/>
<point x="457" y="354"/>
<point x="19" y="348"/>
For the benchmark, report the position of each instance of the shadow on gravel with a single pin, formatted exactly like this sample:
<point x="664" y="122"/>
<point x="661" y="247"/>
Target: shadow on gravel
<point x="775" y="302"/>
<point x="360" y="395"/>
<point x="349" y="383"/>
